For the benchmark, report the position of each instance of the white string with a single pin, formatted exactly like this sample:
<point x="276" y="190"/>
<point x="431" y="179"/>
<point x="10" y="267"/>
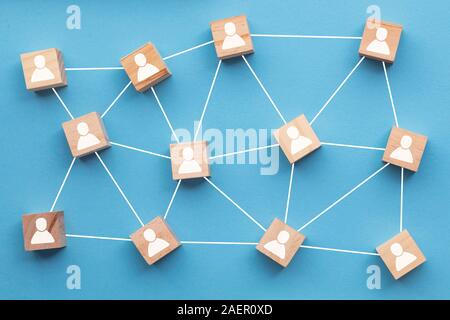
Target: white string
<point x="289" y="193"/>
<point x="225" y="243"/>
<point x="337" y="90"/>
<point x="94" y="69"/>
<point x="122" y="68"/>
<point x="116" y="99"/>
<point x="344" y="196"/>
<point x="165" y="115"/>
<point x="304" y="36"/>
<point x="207" y="99"/>
<point x="351" y="146"/>
<point x="390" y="94"/>
<point x="235" y="204"/>
<point x="340" y="250"/>
<point x="188" y="50"/>
<point x="401" y="198"/>
<point x="62" y="184"/>
<point x="243" y="151"/>
<point x="171" y="199"/>
<point x="63" y="104"/>
<point x="96" y="237"/>
<point x="264" y="89"/>
<point x="120" y="189"/>
<point x="139" y="150"/>
<point x="220" y="243"/>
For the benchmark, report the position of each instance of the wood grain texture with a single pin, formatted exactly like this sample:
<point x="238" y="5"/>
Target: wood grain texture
<point x="219" y="35"/>
<point x="304" y="128"/>
<point x="162" y="231"/>
<point x="291" y="246"/>
<point x="200" y="149"/>
<point x="417" y="148"/>
<point x="96" y="127"/>
<point x="153" y="57"/>
<point x="392" y="40"/>
<point x="409" y="246"/>
<point x="55" y="226"/>
<point x="53" y="61"/>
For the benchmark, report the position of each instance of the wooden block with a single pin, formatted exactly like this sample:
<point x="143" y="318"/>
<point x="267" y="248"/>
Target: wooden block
<point x="380" y="43"/>
<point x="43" y="69"/>
<point x="189" y="160"/>
<point x="155" y="240"/>
<point x="405" y="149"/>
<point x="145" y="67"/>
<point x="280" y="242"/>
<point x="42" y="231"/>
<point x="297" y="139"/>
<point x="401" y="254"/>
<point x="86" y="134"/>
<point x="231" y="37"/>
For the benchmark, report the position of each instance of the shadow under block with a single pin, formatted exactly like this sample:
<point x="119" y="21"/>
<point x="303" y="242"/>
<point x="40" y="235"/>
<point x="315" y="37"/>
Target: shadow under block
<point x="43" y="69"/>
<point x="280" y="242"/>
<point x="297" y="139"/>
<point x="405" y="149"/>
<point x="380" y="42"/>
<point x="42" y="231"/>
<point x="145" y="67"/>
<point x="155" y="240"/>
<point x="401" y="254"/>
<point x="189" y="160"/>
<point x="231" y="37"/>
<point x="86" y="134"/>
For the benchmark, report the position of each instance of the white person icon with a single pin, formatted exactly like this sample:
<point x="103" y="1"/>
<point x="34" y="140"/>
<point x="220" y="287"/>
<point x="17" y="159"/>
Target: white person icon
<point x="155" y="244"/>
<point x="86" y="139"/>
<point x="232" y="39"/>
<point x="42" y="235"/>
<point x="41" y="73"/>
<point x="403" y="152"/>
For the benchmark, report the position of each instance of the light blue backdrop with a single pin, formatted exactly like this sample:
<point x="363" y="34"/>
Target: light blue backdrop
<point x="300" y="74"/>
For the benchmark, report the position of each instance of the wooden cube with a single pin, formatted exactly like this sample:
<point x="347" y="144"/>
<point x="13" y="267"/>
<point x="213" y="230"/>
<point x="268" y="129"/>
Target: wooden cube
<point x="189" y="160"/>
<point x="43" y="69"/>
<point x="155" y="240"/>
<point x="42" y="231"/>
<point x="86" y="134"/>
<point x="231" y="37"/>
<point x="380" y="42"/>
<point x="297" y="139"/>
<point x="401" y="254"/>
<point x="280" y="242"/>
<point x="145" y="67"/>
<point x="405" y="149"/>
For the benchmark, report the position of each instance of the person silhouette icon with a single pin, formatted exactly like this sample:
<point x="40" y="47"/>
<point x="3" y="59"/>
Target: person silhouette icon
<point x="232" y="39"/>
<point x="379" y="45"/>
<point x="277" y="247"/>
<point x="298" y="142"/>
<point x="86" y="139"/>
<point x="41" y="73"/>
<point x="146" y="70"/>
<point x="402" y="258"/>
<point x="403" y="153"/>
<point x="42" y="236"/>
<point x="189" y="165"/>
<point x="155" y="244"/>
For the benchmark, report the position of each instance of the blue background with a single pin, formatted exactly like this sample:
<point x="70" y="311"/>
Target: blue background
<point x="300" y="74"/>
